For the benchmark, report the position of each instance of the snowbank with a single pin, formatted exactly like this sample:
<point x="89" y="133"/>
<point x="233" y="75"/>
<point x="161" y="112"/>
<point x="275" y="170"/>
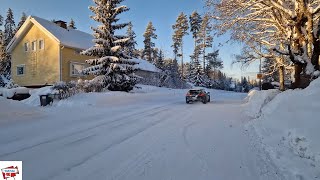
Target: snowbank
<point x="9" y="93"/>
<point x="97" y="99"/>
<point x="256" y="100"/>
<point x="289" y="130"/>
<point x="34" y="99"/>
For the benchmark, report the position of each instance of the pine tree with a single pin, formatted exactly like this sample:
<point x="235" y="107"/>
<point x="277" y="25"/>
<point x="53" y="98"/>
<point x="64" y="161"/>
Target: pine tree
<point x="155" y="55"/>
<point x="175" y="46"/>
<point x="213" y="62"/>
<point x="9" y="27"/>
<point x="160" y="63"/>
<point x="148" y="35"/>
<point x="9" y="31"/>
<point x="112" y="66"/>
<point x="180" y="30"/>
<point x="196" y="74"/>
<point x="72" y="24"/>
<point x="205" y="39"/>
<point x="2" y="53"/>
<point x="244" y="84"/>
<point x="131" y="48"/>
<point x="195" y="26"/>
<point x="22" y="20"/>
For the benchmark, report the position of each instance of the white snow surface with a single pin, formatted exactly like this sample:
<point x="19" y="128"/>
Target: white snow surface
<point x="150" y="133"/>
<point x="68" y="37"/>
<point x="34" y="99"/>
<point x="9" y="93"/>
<point x="256" y="100"/>
<point x="288" y="128"/>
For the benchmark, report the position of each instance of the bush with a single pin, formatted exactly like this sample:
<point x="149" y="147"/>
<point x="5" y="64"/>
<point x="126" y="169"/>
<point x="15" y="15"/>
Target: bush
<point x="95" y="85"/>
<point x="65" y="90"/>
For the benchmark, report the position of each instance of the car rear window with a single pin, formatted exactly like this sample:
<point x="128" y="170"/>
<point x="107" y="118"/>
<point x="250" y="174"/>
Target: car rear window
<point x="194" y="91"/>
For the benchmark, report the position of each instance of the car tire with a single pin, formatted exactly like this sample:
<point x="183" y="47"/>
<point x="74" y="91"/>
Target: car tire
<point x="209" y="99"/>
<point x="204" y="101"/>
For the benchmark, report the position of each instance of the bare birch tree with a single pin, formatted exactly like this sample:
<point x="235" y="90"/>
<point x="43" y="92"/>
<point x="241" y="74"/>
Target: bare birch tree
<point x="282" y="28"/>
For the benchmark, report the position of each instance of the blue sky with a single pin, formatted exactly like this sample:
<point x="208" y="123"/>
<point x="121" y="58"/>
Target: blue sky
<point x="162" y="13"/>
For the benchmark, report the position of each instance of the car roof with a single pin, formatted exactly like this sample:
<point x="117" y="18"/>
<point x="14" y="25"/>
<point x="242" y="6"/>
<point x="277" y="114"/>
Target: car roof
<point x="197" y="90"/>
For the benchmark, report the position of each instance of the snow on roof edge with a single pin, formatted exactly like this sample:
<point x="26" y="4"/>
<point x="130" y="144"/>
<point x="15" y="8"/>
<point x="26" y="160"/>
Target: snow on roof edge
<point x="72" y="38"/>
<point x="145" y="65"/>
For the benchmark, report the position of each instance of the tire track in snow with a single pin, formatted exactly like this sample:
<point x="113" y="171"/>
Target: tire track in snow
<point x="118" y="141"/>
<point x="145" y="158"/>
<point x="204" y="163"/>
<point x="160" y="108"/>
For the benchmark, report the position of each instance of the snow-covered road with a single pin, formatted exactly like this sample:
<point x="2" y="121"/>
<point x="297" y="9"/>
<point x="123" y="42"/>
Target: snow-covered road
<point x="139" y="136"/>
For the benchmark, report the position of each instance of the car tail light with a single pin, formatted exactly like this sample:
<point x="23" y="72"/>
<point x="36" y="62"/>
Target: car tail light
<point x="201" y="94"/>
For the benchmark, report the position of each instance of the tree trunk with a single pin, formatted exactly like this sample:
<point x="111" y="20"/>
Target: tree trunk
<point x="204" y="50"/>
<point x="281" y="78"/>
<point x="297" y="75"/>
<point x="182" y="61"/>
<point x="316" y="50"/>
<point x="204" y="58"/>
<point x="315" y="55"/>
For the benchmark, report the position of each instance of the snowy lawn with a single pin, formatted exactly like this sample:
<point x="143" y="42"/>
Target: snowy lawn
<point x="288" y="127"/>
<point x="150" y="133"/>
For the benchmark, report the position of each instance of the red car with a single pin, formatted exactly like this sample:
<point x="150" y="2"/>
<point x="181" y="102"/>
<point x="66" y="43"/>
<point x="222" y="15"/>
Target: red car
<point x="197" y="95"/>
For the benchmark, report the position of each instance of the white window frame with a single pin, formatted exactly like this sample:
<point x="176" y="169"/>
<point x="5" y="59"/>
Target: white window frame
<point x="35" y="45"/>
<point x="26" y="46"/>
<point x="43" y="44"/>
<point x="72" y="63"/>
<point x="24" y="69"/>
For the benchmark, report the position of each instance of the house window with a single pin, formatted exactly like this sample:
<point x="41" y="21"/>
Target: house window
<point x="20" y="70"/>
<point x="26" y="46"/>
<point x="34" y="45"/>
<point x="41" y="44"/>
<point x="76" y="69"/>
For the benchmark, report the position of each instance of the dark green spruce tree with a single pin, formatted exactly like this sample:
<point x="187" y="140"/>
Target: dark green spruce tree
<point x="110" y="65"/>
<point x="72" y="24"/>
<point x="22" y="20"/>
<point x="9" y="32"/>
<point x="131" y="48"/>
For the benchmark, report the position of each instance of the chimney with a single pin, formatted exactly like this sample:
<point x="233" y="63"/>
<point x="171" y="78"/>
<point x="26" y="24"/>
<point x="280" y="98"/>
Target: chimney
<point x="62" y="24"/>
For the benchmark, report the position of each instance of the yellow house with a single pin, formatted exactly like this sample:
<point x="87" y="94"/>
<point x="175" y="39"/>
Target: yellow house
<point x="45" y="52"/>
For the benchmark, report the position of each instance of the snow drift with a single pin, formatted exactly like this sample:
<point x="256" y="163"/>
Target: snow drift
<point x="34" y="99"/>
<point x="288" y="128"/>
<point x="9" y="93"/>
<point x="256" y="100"/>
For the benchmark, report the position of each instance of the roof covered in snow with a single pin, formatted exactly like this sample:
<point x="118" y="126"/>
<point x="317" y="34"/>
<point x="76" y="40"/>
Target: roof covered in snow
<point x="66" y="37"/>
<point x="145" y="65"/>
